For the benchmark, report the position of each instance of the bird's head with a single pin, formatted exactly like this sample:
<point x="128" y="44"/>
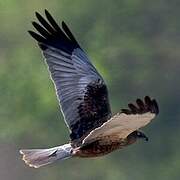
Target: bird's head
<point x="137" y="135"/>
<point x="140" y="135"/>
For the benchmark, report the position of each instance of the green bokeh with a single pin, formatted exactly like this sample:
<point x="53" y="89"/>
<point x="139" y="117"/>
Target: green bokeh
<point x="134" y="45"/>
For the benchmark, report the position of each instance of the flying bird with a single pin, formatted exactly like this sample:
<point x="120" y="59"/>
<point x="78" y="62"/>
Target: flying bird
<point x="83" y="99"/>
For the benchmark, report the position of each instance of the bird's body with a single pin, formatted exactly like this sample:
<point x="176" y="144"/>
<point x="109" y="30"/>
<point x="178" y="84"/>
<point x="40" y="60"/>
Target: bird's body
<point x="104" y="146"/>
<point x="83" y="98"/>
<point x="96" y="148"/>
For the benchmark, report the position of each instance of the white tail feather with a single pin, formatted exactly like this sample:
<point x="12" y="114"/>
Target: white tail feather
<point x="40" y="157"/>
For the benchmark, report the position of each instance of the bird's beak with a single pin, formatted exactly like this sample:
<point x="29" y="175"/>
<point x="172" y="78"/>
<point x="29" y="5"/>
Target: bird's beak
<point x="146" y="138"/>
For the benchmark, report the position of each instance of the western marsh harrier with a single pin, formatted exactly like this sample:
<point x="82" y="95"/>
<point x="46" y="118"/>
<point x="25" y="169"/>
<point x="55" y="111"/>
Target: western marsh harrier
<point x="83" y="97"/>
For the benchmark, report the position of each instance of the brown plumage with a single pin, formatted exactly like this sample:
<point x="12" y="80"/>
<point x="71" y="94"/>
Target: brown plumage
<point x="104" y="146"/>
<point x="83" y="98"/>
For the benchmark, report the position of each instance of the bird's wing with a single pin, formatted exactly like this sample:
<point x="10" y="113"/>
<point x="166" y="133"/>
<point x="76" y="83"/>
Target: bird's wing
<point x="80" y="89"/>
<point x="129" y="120"/>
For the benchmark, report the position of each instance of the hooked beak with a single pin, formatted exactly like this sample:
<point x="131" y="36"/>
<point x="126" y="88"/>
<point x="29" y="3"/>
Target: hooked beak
<point x="146" y="138"/>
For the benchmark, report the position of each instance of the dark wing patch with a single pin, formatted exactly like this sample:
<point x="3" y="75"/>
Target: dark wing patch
<point x="94" y="110"/>
<point x="141" y="107"/>
<point x="81" y="90"/>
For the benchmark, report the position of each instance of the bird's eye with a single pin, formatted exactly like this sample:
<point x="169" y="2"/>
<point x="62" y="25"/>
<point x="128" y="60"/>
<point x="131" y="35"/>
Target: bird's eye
<point x="138" y="133"/>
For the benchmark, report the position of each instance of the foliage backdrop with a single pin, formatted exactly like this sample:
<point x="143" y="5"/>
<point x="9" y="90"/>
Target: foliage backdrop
<point x="134" y="45"/>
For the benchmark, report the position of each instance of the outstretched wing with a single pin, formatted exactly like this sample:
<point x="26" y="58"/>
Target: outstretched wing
<point x="80" y="89"/>
<point x="129" y="120"/>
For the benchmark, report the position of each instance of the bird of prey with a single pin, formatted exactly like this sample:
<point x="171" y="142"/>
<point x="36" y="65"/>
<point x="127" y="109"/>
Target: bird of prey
<point x="83" y="99"/>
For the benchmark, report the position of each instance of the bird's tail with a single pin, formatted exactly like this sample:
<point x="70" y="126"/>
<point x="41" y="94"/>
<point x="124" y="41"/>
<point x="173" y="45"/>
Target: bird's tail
<point x="40" y="157"/>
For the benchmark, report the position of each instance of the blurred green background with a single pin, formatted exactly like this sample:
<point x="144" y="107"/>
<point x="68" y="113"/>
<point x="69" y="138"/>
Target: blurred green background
<point x="135" y="45"/>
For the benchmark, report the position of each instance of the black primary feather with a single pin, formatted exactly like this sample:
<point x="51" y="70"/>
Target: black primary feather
<point x="52" y="34"/>
<point x="142" y="107"/>
<point x="36" y="36"/>
<point x="44" y="23"/>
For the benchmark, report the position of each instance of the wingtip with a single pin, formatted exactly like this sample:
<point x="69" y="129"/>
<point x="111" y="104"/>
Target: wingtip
<point x="63" y="23"/>
<point x="36" y="36"/>
<point x="142" y="106"/>
<point x="30" y="32"/>
<point x="33" y="23"/>
<point x="47" y="13"/>
<point x="147" y="98"/>
<point x="156" y="107"/>
<point x="153" y="103"/>
<point x="36" y="13"/>
<point x="49" y="32"/>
